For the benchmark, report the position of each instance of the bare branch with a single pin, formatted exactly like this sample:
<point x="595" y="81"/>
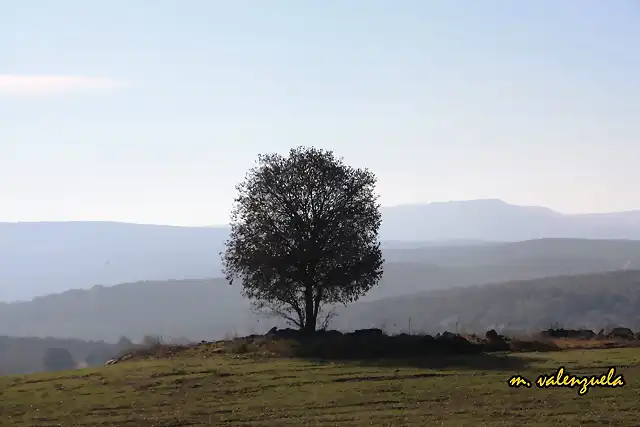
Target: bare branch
<point x="270" y="311"/>
<point x="328" y="317"/>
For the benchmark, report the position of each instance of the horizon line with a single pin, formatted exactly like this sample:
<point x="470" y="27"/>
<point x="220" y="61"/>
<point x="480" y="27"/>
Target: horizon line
<point x="225" y="225"/>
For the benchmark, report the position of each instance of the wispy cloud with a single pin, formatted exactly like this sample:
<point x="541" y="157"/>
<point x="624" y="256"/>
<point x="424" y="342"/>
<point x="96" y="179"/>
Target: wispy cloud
<point x="14" y="84"/>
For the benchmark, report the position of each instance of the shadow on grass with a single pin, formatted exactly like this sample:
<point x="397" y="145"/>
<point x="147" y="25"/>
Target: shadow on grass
<point x="372" y="348"/>
<point x="476" y="362"/>
<point x="482" y="361"/>
<point x="449" y="351"/>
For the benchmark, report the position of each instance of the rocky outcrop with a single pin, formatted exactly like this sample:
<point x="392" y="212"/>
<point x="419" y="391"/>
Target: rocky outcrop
<point x="495" y="341"/>
<point x="622" y="333"/>
<point x="585" y="334"/>
<point x="118" y="359"/>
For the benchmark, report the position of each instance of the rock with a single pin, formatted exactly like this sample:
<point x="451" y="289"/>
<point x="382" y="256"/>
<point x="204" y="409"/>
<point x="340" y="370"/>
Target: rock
<point x="447" y="336"/>
<point x="287" y="333"/>
<point x="586" y="334"/>
<point x="492" y="335"/>
<point x="450" y="343"/>
<point x="568" y="333"/>
<point x="495" y="341"/>
<point x="328" y="334"/>
<point x="252" y="337"/>
<point x="272" y="330"/>
<point x="375" y="332"/>
<point x="624" y="333"/>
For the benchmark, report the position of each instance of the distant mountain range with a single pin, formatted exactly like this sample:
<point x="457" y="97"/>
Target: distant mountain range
<point x="210" y="308"/>
<point x="49" y="257"/>
<point x="495" y="220"/>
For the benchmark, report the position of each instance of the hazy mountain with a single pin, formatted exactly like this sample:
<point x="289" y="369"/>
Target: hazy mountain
<point x="495" y="220"/>
<point x="208" y="309"/>
<point x="572" y="254"/>
<point x="48" y="257"/>
<point x="591" y="301"/>
<point x="22" y="355"/>
<point x="415" y="244"/>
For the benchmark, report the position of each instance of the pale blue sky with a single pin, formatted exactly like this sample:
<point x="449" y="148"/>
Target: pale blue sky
<point x="534" y="102"/>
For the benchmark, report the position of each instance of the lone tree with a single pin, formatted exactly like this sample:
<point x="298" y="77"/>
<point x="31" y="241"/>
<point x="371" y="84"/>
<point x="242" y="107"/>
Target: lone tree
<point x="304" y="234"/>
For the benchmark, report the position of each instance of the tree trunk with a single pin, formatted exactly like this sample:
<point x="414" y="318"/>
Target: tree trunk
<point x="309" y="312"/>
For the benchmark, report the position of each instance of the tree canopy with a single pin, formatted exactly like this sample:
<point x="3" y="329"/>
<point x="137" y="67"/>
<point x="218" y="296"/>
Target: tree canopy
<point x="304" y="235"/>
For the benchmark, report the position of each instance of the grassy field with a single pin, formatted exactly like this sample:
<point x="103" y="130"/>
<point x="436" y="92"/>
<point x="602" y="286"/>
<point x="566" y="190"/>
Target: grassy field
<point x="204" y="390"/>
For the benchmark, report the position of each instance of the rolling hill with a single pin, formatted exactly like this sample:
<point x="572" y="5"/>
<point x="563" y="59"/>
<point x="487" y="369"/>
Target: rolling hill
<point x="210" y="308"/>
<point x="49" y="257"/>
<point x="590" y="301"/>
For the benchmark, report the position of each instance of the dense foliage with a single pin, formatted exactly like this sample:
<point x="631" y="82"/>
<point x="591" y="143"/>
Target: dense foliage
<point x="304" y="233"/>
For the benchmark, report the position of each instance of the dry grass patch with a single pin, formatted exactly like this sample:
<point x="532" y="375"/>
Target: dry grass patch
<point x="576" y="343"/>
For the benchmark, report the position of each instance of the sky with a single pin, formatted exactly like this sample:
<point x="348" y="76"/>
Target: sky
<point x="152" y="112"/>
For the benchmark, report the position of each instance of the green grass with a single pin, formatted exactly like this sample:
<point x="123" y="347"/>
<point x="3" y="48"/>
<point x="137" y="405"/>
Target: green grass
<point x="242" y="391"/>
